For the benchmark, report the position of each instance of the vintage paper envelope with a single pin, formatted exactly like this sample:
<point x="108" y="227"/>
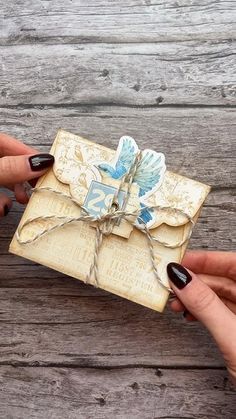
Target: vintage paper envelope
<point x="124" y="258"/>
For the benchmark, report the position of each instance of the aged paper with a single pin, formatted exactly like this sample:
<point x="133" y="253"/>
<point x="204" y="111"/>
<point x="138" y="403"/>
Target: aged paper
<point x="124" y="259"/>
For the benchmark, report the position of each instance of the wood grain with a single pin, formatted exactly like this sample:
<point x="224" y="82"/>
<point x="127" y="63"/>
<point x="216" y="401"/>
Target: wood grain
<point x="108" y="21"/>
<point x="86" y="336"/>
<point x="198" y="143"/>
<point x="48" y="318"/>
<point x="119" y="74"/>
<point x="143" y="393"/>
<point x="163" y="72"/>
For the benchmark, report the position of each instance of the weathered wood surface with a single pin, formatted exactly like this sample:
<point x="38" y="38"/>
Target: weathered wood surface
<point x="137" y="393"/>
<point x="197" y="142"/>
<point x="46" y="319"/>
<point x="163" y="72"/>
<point x="142" y="75"/>
<point x="116" y="21"/>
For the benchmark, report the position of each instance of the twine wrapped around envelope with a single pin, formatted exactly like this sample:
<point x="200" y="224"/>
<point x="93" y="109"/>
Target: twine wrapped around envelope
<point x="105" y="223"/>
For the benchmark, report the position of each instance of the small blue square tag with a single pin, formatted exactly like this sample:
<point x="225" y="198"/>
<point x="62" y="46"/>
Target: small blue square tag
<point x="99" y="198"/>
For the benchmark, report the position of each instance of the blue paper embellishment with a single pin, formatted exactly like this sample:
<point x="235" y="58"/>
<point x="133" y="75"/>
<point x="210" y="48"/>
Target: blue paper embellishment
<point x="148" y="177"/>
<point x="99" y="198"/>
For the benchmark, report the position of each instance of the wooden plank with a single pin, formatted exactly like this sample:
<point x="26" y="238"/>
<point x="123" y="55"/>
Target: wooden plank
<point x="53" y="320"/>
<point x="35" y="393"/>
<point x="157" y="74"/>
<point x="125" y="341"/>
<point x="109" y="21"/>
<point x="198" y="143"/>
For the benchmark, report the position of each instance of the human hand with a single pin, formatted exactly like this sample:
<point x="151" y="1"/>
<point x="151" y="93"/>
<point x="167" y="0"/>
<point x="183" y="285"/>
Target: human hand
<point x="19" y="163"/>
<point x="209" y="295"/>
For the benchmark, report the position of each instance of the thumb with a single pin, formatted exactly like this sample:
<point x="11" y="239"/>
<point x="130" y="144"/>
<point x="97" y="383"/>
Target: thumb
<point x="205" y="305"/>
<point x="18" y="169"/>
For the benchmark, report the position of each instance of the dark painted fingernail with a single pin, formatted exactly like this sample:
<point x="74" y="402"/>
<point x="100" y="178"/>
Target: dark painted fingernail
<point x="6" y="210"/>
<point x="185" y="313"/>
<point x="178" y="275"/>
<point x="41" y="162"/>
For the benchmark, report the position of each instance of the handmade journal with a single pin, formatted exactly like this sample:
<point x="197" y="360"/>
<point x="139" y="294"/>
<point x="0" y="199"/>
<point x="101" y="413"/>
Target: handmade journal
<point x="113" y="219"/>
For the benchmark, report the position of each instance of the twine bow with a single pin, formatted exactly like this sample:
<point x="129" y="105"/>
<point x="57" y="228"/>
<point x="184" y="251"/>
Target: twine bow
<point x="105" y="223"/>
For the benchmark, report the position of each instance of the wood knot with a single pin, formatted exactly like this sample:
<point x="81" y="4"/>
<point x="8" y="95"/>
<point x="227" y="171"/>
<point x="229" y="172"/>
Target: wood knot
<point x="159" y="99"/>
<point x="101" y="400"/>
<point x="159" y="373"/>
<point x="104" y="73"/>
<point x="134" y="386"/>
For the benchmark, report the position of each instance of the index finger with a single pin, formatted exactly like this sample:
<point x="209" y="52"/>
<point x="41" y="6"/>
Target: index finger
<point x="211" y="263"/>
<point x="11" y="147"/>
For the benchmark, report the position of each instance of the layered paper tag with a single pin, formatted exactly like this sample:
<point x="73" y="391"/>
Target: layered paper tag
<point x="91" y="174"/>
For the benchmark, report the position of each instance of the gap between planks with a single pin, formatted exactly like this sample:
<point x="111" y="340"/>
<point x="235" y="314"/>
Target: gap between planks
<point x="160" y="367"/>
<point x="41" y="106"/>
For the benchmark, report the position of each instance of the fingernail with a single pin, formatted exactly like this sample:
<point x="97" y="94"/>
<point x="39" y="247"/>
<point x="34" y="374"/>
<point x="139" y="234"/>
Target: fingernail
<point x="178" y="275"/>
<point x="41" y="161"/>
<point x="185" y="313"/>
<point x="6" y="210"/>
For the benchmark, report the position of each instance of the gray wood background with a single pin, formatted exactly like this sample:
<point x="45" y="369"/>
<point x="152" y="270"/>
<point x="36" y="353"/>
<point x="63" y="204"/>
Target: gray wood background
<point x="161" y="71"/>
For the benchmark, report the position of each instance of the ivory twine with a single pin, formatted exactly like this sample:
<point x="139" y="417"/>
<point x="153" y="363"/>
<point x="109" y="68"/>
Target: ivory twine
<point x="106" y="223"/>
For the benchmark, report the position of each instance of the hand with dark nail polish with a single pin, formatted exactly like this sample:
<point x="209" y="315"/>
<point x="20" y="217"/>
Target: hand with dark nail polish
<point x="211" y="299"/>
<point x="19" y="164"/>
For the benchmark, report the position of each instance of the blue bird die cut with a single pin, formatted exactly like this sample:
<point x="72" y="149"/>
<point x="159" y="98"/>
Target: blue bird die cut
<point x="148" y="177"/>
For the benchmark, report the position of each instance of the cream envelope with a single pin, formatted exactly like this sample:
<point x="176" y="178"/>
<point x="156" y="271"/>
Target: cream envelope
<point x="124" y="260"/>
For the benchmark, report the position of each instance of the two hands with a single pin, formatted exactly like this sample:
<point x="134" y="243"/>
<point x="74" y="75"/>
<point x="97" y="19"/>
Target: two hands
<point x="208" y="295"/>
